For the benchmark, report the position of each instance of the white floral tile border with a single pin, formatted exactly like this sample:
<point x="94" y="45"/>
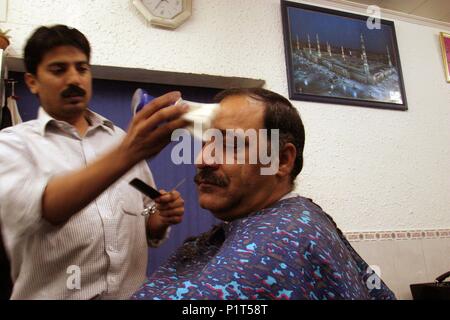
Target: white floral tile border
<point x="397" y="235"/>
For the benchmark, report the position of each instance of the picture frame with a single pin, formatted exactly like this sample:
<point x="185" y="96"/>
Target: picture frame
<point x="445" y="46"/>
<point x="334" y="57"/>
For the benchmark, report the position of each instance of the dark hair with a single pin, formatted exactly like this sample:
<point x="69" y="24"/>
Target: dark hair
<point x="279" y="114"/>
<point x="45" y="39"/>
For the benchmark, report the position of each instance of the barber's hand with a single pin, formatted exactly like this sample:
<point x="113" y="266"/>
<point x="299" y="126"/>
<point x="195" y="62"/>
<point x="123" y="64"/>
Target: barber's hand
<point x="170" y="210"/>
<point x="170" y="207"/>
<point x="151" y="128"/>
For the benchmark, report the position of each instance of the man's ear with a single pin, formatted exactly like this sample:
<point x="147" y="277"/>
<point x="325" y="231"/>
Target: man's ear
<point x="287" y="160"/>
<point x="31" y="82"/>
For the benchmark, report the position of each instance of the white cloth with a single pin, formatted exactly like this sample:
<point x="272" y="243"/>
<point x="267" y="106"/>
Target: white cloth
<point x="291" y="194"/>
<point x="15" y="115"/>
<point x="200" y="116"/>
<point x="106" y="240"/>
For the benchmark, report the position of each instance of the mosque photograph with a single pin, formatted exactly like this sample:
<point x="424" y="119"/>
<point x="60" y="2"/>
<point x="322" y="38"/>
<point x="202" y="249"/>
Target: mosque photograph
<point x="339" y="57"/>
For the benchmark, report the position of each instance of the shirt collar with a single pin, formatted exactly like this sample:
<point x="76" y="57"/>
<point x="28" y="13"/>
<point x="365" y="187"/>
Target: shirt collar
<point x="291" y="194"/>
<point x="95" y="120"/>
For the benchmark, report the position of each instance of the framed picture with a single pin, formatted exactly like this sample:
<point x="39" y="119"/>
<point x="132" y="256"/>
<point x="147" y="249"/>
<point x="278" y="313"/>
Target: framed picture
<point x="335" y="57"/>
<point x="445" y="45"/>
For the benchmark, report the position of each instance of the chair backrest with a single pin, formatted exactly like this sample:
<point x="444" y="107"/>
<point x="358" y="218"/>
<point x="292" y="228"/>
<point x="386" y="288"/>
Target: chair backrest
<point x="5" y="272"/>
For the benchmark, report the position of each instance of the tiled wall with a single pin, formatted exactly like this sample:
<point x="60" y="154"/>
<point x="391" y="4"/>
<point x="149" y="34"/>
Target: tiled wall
<point x="405" y="257"/>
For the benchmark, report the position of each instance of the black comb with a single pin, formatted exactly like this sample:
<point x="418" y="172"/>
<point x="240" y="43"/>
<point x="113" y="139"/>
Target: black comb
<point x="145" y="188"/>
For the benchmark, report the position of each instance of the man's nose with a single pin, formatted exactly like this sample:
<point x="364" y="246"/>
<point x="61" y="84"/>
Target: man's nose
<point x="207" y="158"/>
<point x="73" y="76"/>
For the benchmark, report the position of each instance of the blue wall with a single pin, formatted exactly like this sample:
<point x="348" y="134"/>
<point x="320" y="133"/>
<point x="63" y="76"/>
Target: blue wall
<point x="112" y="99"/>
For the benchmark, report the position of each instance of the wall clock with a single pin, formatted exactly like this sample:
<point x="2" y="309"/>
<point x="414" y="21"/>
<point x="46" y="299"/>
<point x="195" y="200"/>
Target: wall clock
<point x="165" y="13"/>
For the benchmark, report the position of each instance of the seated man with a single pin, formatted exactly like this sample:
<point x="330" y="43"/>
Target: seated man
<point x="273" y="243"/>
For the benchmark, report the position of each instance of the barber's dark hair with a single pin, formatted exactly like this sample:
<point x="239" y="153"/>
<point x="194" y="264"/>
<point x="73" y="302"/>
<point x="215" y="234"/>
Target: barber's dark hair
<point x="279" y="114"/>
<point x="45" y="39"/>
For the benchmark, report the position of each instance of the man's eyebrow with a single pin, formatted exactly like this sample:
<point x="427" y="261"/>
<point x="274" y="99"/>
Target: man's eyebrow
<point x="56" y="64"/>
<point x="62" y="63"/>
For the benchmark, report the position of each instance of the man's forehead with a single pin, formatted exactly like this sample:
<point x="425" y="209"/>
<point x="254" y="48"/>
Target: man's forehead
<point x="239" y="112"/>
<point x="64" y="54"/>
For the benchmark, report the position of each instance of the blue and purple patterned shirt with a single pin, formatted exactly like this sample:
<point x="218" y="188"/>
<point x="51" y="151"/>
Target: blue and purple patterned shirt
<point x="291" y="250"/>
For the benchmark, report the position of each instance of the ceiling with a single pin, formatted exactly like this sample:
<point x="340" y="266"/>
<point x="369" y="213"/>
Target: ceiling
<point x="430" y="9"/>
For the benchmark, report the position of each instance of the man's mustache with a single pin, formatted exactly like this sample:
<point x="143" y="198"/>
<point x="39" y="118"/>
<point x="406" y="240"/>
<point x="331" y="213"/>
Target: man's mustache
<point x="73" y="91"/>
<point x="208" y="176"/>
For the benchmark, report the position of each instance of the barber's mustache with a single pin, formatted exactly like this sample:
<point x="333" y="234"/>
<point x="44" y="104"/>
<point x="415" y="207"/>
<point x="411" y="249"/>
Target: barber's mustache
<point x="209" y="176"/>
<point x="73" y="91"/>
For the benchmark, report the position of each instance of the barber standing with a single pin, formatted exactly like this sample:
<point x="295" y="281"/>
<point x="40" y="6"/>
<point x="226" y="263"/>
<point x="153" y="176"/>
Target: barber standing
<point x="71" y="223"/>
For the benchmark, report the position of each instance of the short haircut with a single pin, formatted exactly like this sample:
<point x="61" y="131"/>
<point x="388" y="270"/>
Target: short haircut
<point x="44" y="39"/>
<point x="279" y="114"/>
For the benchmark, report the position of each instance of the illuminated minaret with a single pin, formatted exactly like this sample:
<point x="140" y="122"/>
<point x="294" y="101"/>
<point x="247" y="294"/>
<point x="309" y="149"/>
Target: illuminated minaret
<point x="319" y="53"/>
<point x="389" y="57"/>
<point x="309" y="44"/>
<point x="343" y="54"/>
<point x="329" y="49"/>
<point x="298" y="43"/>
<point x="364" y="56"/>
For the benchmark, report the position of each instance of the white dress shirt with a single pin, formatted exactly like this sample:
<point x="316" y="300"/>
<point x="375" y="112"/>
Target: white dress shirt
<point x="105" y="243"/>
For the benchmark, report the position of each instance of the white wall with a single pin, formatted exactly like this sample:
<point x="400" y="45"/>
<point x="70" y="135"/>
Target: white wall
<point x="370" y="169"/>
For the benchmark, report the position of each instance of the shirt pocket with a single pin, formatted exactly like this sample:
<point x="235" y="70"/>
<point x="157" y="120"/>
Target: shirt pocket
<point x="130" y="200"/>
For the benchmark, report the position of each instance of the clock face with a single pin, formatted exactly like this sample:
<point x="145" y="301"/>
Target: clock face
<point x="168" y="14"/>
<point x="167" y="9"/>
